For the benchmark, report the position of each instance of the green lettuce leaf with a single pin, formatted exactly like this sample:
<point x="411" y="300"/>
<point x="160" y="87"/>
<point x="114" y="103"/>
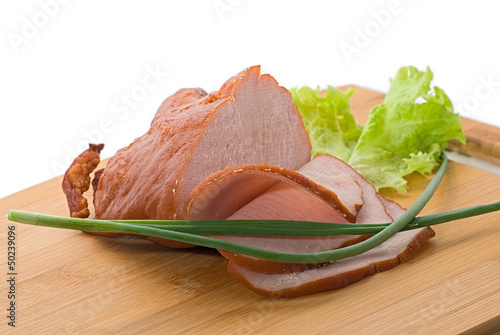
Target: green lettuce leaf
<point x="329" y="123"/>
<point x="407" y="132"/>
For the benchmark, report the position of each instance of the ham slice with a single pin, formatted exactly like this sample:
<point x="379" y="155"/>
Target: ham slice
<point x="235" y="191"/>
<point x="293" y="198"/>
<point x="387" y="255"/>
<point x="373" y="209"/>
<point x="227" y="195"/>
<point x="271" y="193"/>
<point x="306" y="280"/>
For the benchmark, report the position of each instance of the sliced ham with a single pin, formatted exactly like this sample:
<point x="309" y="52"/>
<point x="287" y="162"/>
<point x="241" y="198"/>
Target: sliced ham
<point x="234" y="191"/>
<point x="399" y="248"/>
<point x="226" y="195"/>
<point x="272" y="193"/>
<point x="373" y="209"/>
<point x="387" y="255"/>
<point x="295" y="197"/>
<point x="243" y="153"/>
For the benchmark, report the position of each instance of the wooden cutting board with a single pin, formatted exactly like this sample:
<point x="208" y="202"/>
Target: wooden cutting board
<point x="73" y="282"/>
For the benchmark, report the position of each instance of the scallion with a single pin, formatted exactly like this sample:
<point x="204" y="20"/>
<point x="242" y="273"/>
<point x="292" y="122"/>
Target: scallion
<point x="193" y="231"/>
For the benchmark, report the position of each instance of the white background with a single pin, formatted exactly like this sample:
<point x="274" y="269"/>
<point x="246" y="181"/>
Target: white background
<point x="68" y="67"/>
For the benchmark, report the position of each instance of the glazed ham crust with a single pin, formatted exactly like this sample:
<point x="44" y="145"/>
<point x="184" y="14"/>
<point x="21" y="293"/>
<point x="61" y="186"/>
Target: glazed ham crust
<point x="76" y="180"/>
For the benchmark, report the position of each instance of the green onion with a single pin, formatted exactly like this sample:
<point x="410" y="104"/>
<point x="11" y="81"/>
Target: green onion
<point x="283" y="228"/>
<point x="189" y="231"/>
<point x="319" y="257"/>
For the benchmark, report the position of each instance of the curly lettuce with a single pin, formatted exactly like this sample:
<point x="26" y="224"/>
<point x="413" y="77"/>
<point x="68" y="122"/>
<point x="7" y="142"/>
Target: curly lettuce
<point x="405" y="134"/>
<point x="328" y="120"/>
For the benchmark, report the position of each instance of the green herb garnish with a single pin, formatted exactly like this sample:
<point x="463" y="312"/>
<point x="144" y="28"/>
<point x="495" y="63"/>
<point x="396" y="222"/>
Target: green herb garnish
<point x="193" y="231"/>
<point x="405" y="134"/>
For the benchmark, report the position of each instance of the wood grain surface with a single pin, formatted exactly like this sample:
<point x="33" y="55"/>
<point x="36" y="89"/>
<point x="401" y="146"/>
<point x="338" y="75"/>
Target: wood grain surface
<point x="70" y="282"/>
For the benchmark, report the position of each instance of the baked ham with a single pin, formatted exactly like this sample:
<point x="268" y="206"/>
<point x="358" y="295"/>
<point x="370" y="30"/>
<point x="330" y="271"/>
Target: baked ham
<point x="272" y="193"/>
<point x="399" y="248"/>
<point x="243" y="153"/>
<point x="251" y="119"/>
<point x="287" y="200"/>
<point x="293" y="196"/>
<point x="283" y="202"/>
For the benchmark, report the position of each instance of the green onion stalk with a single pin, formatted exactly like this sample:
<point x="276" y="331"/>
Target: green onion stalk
<point x="194" y="231"/>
